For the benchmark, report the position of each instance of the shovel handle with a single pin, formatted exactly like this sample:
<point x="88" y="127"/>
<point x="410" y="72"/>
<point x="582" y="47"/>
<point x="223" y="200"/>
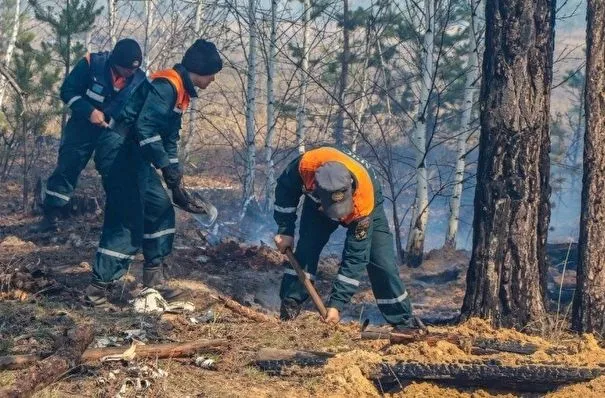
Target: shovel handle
<point x="307" y="284"/>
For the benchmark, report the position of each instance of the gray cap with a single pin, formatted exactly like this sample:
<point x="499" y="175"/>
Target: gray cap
<point x="334" y="187"/>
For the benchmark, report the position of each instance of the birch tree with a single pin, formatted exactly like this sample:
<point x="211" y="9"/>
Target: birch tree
<point x="250" y="108"/>
<point x="149" y="10"/>
<point x="111" y="21"/>
<point x="270" y="186"/>
<point x="506" y="279"/>
<point x="301" y="111"/>
<point x="10" y="48"/>
<point x="589" y="301"/>
<point x="415" y="246"/>
<point x="344" y="77"/>
<point x="470" y="87"/>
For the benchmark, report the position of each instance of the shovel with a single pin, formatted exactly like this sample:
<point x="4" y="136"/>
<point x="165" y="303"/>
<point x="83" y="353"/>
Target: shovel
<point x="307" y="284"/>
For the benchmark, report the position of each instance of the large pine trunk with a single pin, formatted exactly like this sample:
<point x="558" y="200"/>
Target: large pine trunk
<point x="589" y="302"/>
<point x="507" y="273"/>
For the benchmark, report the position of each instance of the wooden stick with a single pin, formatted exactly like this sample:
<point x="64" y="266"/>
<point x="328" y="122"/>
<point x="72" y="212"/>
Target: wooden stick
<point x="47" y="371"/>
<point x="242" y="310"/>
<point x="319" y="304"/>
<point x="170" y="350"/>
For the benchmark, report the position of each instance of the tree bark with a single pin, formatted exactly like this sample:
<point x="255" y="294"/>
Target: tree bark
<point x="148" y="28"/>
<point x="301" y="111"/>
<point x="589" y="300"/>
<point x="420" y="214"/>
<point x="270" y="188"/>
<point x="506" y="280"/>
<point x="250" y="110"/>
<point x="10" y="49"/>
<point x="466" y="124"/>
<point x="111" y="21"/>
<point x="339" y="134"/>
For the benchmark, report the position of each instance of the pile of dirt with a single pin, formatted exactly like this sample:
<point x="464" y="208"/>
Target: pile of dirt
<point x="12" y="242"/>
<point x="345" y="375"/>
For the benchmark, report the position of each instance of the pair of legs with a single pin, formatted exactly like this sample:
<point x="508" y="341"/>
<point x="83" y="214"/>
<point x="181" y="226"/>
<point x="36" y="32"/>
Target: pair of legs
<point x="78" y="141"/>
<point x="138" y="212"/>
<point x="315" y="230"/>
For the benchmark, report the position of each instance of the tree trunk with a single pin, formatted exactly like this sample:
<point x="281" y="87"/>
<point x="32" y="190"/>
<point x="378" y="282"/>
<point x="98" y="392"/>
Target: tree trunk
<point x="466" y="124"/>
<point x="250" y="109"/>
<point x="185" y="148"/>
<point x="506" y="280"/>
<point x="148" y="28"/>
<point x="111" y="21"/>
<point x="270" y="190"/>
<point x="301" y="112"/>
<point x="10" y="48"/>
<point x="339" y="134"/>
<point x="364" y="88"/>
<point x="589" y="301"/>
<point x="420" y="214"/>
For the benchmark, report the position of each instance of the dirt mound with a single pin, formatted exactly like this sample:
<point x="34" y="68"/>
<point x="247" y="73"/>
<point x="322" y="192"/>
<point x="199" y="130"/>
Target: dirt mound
<point x="13" y="242"/>
<point x="345" y="375"/>
<point x="429" y="390"/>
<point x="593" y="389"/>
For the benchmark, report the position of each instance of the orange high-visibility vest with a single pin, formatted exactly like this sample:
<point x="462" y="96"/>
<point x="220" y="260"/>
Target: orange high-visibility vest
<point x="182" y="96"/>
<point x="363" y="196"/>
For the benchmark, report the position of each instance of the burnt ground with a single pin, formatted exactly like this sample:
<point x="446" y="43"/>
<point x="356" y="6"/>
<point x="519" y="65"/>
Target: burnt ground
<point x="59" y="266"/>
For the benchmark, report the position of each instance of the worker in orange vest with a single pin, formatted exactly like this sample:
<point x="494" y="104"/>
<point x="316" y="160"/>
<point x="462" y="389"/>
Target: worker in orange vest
<point x="138" y="212"/>
<point x="340" y="189"/>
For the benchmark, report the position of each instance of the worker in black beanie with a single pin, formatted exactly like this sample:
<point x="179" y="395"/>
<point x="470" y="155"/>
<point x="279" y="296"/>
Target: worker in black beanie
<point x="202" y="61"/>
<point x="127" y="54"/>
<point x="95" y="90"/>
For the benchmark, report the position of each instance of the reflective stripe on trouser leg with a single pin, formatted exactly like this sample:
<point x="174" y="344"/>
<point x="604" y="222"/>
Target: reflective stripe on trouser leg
<point x="123" y="223"/>
<point x="159" y="219"/>
<point x="389" y="290"/>
<point x="78" y="142"/>
<point x="314" y="233"/>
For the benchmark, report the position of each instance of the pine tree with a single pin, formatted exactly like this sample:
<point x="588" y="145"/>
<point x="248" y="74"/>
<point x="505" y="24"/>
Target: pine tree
<point x="76" y="17"/>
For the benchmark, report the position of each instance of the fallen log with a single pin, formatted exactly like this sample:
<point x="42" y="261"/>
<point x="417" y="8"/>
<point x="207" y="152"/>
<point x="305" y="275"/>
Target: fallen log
<point x="242" y="310"/>
<point x="525" y="378"/>
<point x="274" y="361"/>
<point x="160" y="351"/>
<point x="48" y="370"/>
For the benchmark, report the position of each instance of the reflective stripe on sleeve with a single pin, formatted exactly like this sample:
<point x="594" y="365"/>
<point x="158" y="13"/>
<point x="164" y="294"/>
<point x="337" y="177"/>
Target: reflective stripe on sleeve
<point x="150" y="140"/>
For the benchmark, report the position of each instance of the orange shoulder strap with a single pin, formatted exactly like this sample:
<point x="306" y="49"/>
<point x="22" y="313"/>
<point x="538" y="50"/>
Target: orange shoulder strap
<point x="182" y="97"/>
<point x="363" y="197"/>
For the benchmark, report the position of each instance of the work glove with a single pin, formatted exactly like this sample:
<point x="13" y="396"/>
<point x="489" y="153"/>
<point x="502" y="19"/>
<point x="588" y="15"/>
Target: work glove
<point x="192" y="202"/>
<point x="172" y="175"/>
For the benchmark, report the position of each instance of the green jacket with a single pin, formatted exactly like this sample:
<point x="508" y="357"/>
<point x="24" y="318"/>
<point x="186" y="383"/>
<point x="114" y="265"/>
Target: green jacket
<point x="158" y="123"/>
<point x="356" y="252"/>
<point x="73" y="90"/>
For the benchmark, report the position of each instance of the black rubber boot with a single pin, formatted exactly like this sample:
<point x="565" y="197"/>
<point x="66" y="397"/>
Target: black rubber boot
<point x="49" y="222"/>
<point x="95" y="294"/>
<point x="154" y="278"/>
<point x="289" y="310"/>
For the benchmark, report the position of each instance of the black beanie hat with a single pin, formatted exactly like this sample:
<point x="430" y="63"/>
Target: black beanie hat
<point x="127" y="53"/>
<point x="202" y="58"/>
